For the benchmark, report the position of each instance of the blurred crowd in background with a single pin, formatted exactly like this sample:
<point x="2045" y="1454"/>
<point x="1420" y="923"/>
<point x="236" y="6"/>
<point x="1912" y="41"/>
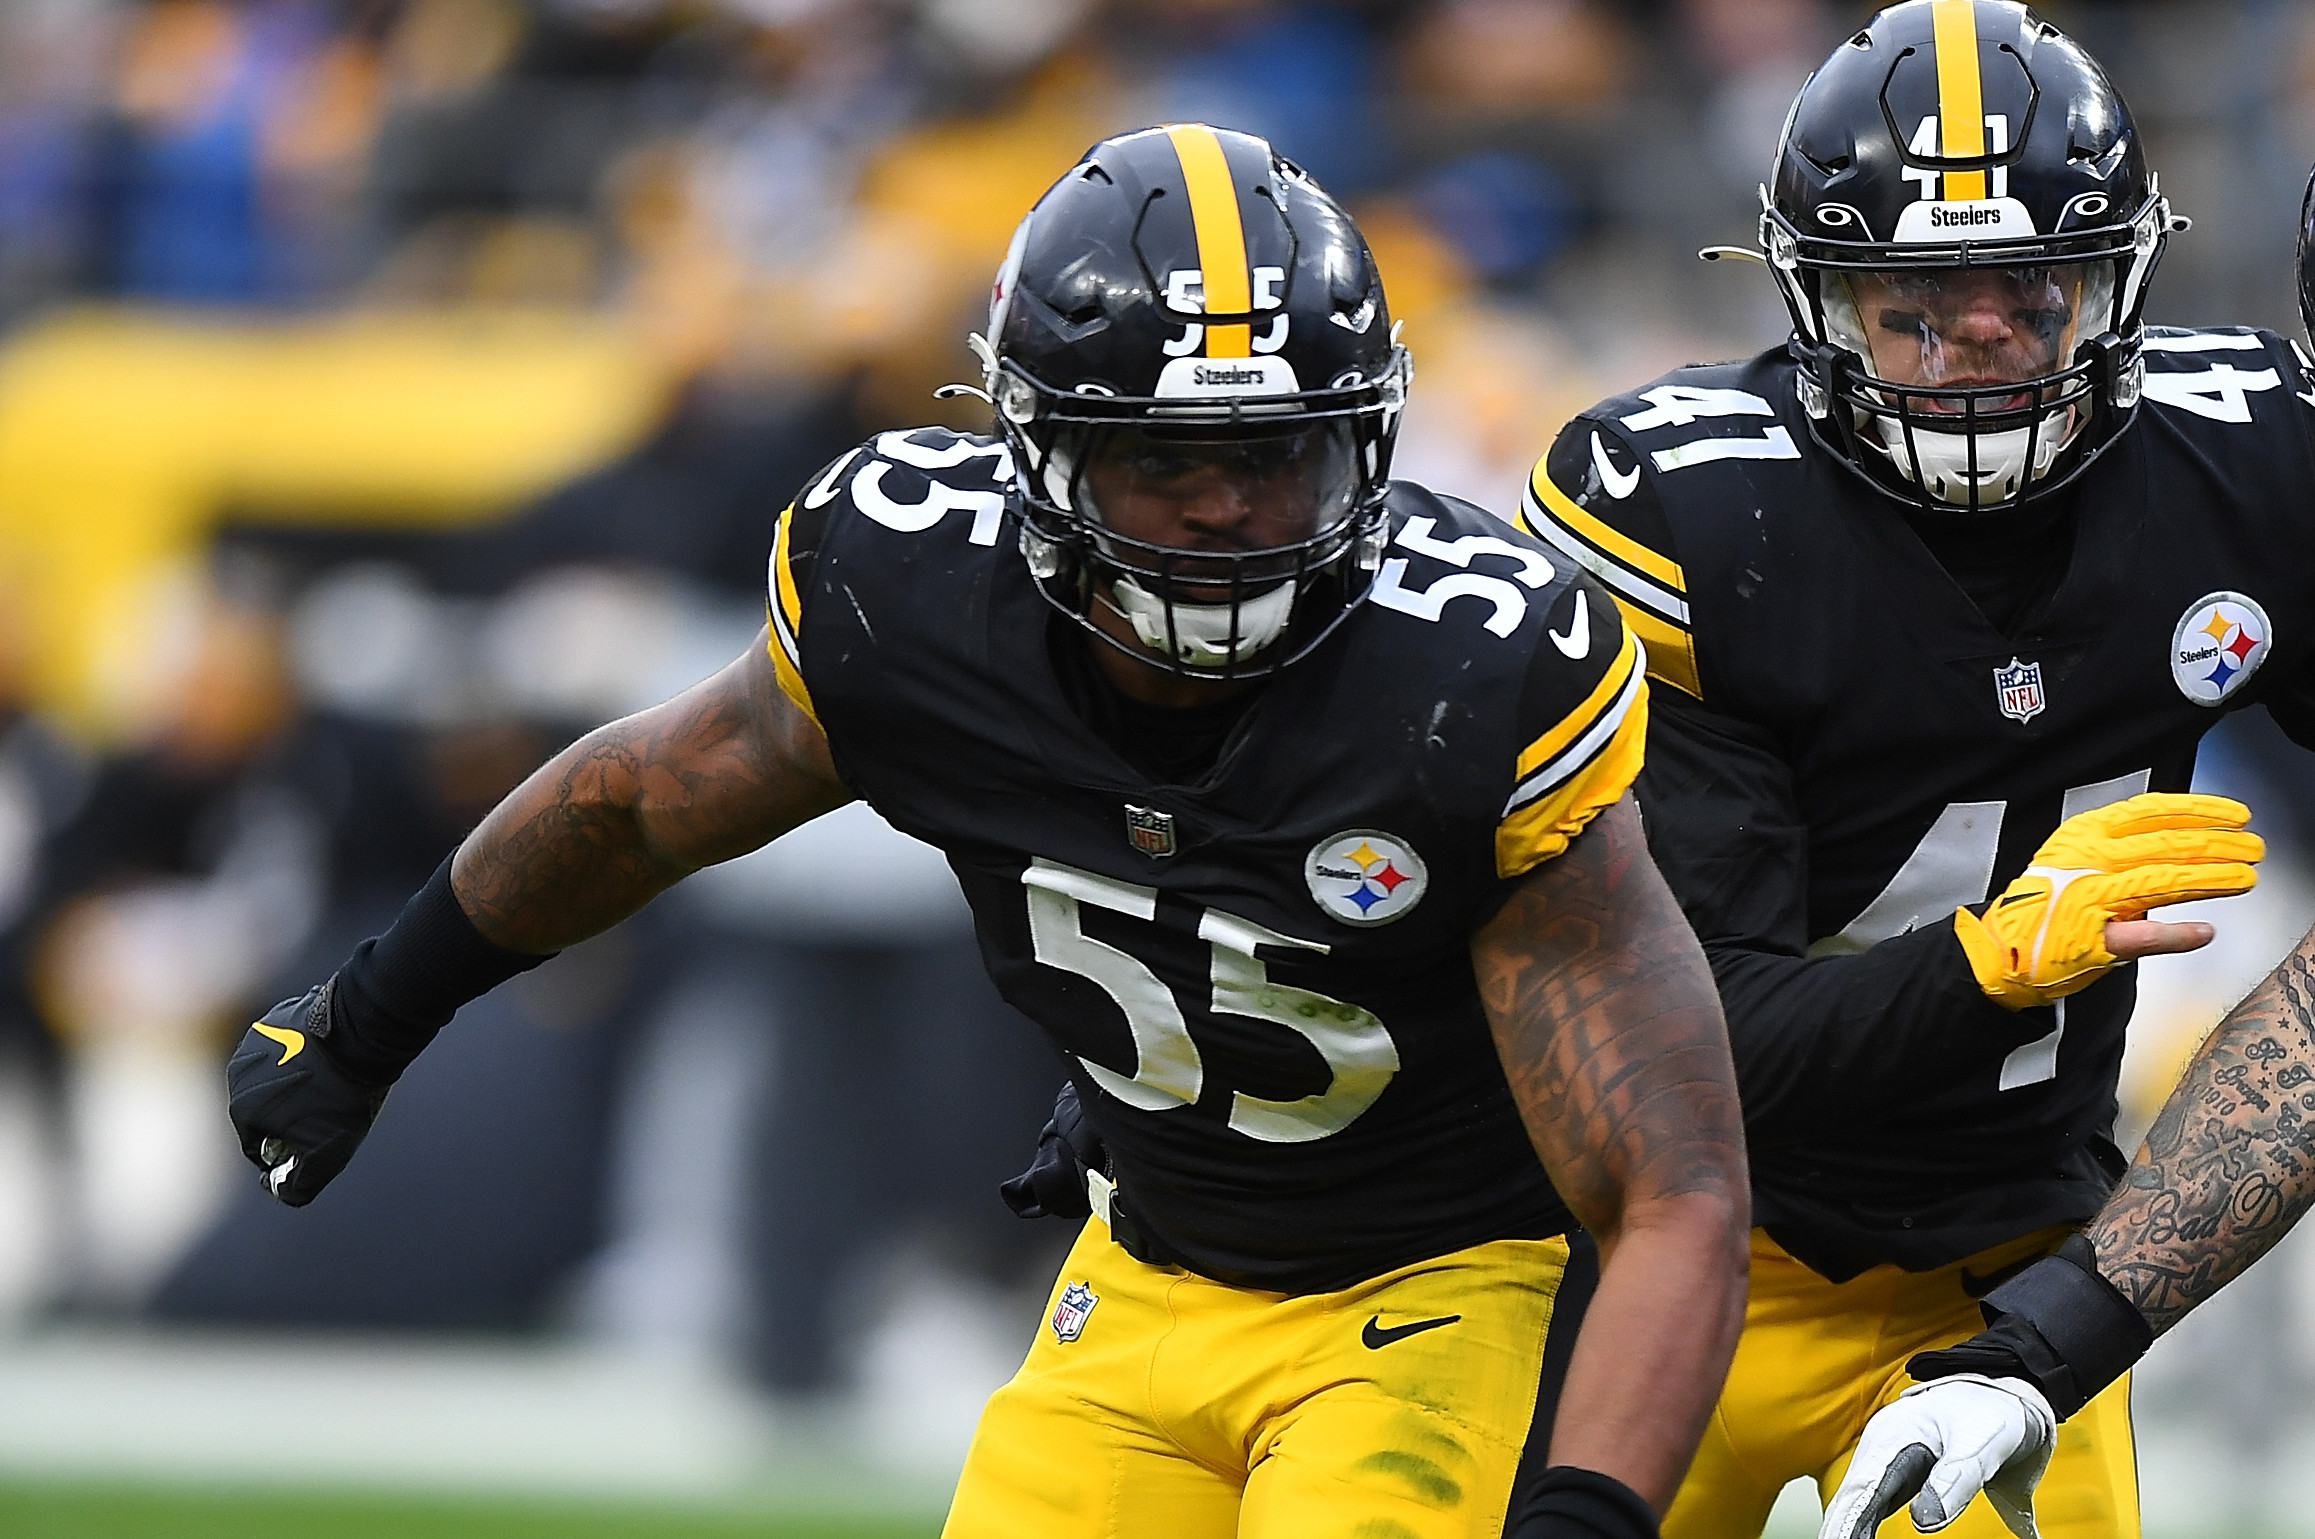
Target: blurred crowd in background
<point x="391" y="390"/>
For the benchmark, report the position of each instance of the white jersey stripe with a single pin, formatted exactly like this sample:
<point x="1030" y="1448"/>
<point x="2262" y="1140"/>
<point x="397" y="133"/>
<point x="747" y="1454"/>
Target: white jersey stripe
<point x="1648" y="595"/>
<point x="1586" y="748"/>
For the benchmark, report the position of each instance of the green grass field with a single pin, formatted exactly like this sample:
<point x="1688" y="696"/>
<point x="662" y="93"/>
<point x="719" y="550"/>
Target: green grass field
<point x="71" y="1511"/>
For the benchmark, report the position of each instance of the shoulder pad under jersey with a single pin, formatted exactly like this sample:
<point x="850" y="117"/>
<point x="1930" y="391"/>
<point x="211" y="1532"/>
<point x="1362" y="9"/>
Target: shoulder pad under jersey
<point x="909" y="482"/>
<point x="1581" y="710"/>
<point x="2222" y="374"/>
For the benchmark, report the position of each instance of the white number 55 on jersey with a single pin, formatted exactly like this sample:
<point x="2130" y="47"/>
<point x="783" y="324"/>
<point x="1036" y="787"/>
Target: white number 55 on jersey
<point x="1168" y="1072"/>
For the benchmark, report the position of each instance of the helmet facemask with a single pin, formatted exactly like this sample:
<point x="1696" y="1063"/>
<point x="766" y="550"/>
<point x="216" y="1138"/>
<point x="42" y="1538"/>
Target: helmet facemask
<point x="1971" y="169"/>
<point x="1194" y="369"/>
<point x="1974" y="381"/>
<point x="1267" y="511"/>
<point x="1230" y="539"/>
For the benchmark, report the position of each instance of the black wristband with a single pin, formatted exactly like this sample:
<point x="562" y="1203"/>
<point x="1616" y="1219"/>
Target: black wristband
<point x="2058" y="1325"/>
<point x="1572" y="1503"/>
<point x="400" y="988"/>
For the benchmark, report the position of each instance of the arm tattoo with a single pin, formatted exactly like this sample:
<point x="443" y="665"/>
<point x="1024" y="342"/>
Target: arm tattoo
<point x="1610" y="1030"/>
<point x="2229" y="1165"/>
<point x="632" y="808"/>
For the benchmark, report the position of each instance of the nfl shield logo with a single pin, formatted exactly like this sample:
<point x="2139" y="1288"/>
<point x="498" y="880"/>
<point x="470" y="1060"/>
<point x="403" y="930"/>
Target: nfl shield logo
<point x="1150" y="831"/>
<point x="2019" y="688"/>
<point x="1069" y="1314"/>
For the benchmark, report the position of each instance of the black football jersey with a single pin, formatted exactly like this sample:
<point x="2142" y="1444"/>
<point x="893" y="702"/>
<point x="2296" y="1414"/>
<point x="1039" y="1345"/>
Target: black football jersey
<point x="1850" y="749"/>
<point x="1261" y="982"/>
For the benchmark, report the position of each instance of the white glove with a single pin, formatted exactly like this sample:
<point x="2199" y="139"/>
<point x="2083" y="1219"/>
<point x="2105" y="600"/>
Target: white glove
<point x="1947" y="1439"/>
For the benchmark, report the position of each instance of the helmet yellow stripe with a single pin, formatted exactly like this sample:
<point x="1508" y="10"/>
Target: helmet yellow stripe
<point x="1221" y="238"/>
<point x="1960" y="95"/>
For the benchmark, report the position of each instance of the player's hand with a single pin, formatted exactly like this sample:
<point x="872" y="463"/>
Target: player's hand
<point x="2047" y="935"/>
<point x="1941" y="1443"/>
<point x="299" y="1114"/>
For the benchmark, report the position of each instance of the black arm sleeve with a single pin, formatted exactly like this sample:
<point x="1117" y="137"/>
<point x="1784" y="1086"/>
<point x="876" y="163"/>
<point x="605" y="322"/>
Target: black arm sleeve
<point x="1820" y="1043"/>
<point x="2059" y="1325"/>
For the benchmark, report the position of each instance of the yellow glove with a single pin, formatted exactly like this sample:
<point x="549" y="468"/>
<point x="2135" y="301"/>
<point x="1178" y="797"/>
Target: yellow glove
<point x="2045" y="936"/>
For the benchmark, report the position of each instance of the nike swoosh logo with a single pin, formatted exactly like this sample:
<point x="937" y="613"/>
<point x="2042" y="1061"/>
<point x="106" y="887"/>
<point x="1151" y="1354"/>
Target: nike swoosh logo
<point x="292" y="1040"/>
<point x="1577" y="643"/>
<point x="1620" y="483"/>
<point x="1376" y="1336"/>
<point x="1978" y="1287"/>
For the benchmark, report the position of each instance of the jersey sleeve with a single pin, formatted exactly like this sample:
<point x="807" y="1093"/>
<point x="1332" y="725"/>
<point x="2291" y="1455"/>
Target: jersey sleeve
<point x="2292" y="704"/>
<point x="1584" y="717"/>
<point x="2290" y="697"/>
<point x="1593" y="498"/>
<point x="1822" y="1042"/>
<point x="796" y="543"/>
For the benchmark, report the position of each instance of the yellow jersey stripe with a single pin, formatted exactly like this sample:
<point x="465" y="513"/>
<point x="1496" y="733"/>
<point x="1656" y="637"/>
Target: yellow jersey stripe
<point x="1671" y="650"/>
<point x="1229" y="285"/>
<point x="1571" y="761"/>
<point x="1960" y="94"/>
<point x="1627" y="585"/>
<point x="791" y="681"/>
<point x="786" y="620"/>
<point x="1542" y="828"/>
<point x="784" y="581"/>
<point x="1573" y="725"/>
<point x="1624" y="548"/>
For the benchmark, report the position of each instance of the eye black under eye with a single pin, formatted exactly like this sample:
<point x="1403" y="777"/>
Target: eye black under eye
<point x="1905" y="323"/>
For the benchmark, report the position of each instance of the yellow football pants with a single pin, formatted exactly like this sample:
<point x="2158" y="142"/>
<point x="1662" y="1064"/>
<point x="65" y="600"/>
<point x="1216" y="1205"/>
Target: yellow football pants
<point x="1818" y="1358"/>
<point x="1187" y="1409"/>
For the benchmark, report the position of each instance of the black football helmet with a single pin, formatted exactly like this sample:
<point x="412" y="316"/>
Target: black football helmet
<point x="1962" y="224"/>
<point x="1185" y="301"/>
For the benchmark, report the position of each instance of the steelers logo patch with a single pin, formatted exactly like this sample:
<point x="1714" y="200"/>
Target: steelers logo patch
<point x="1363" y="876"/>
<point x="2219" y="644"/>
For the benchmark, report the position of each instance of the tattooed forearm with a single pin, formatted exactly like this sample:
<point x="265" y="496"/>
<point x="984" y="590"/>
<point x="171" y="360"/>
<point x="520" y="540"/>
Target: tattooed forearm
<point x="1610" y="1029"/>
<point x="1611" y="1037"/>
<point x="634" y="807"/>
<point x="2229" y="1165"/>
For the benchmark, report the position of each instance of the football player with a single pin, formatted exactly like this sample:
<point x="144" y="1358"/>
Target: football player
<point x="2227" y="1169"/>
<point x="1940" y="597"/>
<point x="1291" y="803"/>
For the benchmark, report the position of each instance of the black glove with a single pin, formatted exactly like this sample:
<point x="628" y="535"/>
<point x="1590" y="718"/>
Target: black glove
<point x="307" y="1081"/>
<point x="299" y="1113"/>
<point x="1054" y="1184"/>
